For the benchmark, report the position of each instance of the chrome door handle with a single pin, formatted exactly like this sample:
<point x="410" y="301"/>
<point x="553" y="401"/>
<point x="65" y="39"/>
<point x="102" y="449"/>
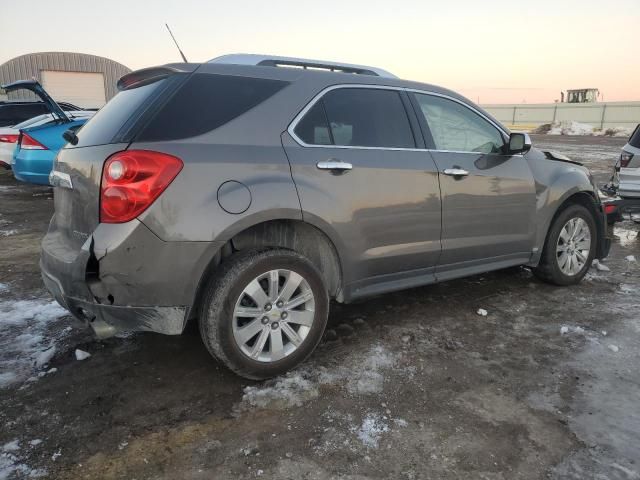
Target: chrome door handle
<point x="335" y="165"/>
<point x="456" y="172"/>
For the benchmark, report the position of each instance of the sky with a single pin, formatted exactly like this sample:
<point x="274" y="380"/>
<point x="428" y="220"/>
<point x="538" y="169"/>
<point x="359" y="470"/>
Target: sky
<point x="492" y="51"/>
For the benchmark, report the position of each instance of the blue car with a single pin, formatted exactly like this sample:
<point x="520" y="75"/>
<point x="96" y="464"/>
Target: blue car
<point x="38" y="146"/>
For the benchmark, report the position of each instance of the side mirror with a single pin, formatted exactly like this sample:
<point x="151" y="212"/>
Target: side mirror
<point x="519" y="143"/>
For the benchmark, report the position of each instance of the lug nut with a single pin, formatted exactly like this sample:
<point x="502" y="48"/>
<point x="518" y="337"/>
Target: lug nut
<point x="284" y="315"/>
<point x="267" y="307"/>
<point x="280" y="304"/>
<point x="264" y="320"/>
<point x="274" y="325"/>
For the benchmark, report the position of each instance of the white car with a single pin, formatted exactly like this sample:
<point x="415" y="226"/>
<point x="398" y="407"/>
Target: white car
<point x="9" y="135"/>
<point x="629" y="164"/>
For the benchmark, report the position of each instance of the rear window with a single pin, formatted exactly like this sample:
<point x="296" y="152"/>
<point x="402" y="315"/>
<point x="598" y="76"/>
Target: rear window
<point x="111" y="121"/>
<point x="205" y="102"/>
<point x="634" y="139"/>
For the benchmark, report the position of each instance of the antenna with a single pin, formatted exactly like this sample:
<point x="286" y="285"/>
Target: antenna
<point x="174" y="41"/>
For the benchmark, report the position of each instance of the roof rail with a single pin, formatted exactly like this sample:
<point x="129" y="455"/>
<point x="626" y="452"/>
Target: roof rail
<point x="304" y="63"/>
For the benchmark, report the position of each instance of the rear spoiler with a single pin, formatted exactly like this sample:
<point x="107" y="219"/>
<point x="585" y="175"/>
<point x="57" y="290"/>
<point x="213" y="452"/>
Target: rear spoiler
<point x="146" y="76"/>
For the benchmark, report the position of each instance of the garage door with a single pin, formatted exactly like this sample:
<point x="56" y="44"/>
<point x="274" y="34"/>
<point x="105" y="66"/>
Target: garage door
<point x="85" y="90"/>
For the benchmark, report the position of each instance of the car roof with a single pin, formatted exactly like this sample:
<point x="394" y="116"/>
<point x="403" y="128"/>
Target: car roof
<point x="322" y="77"/>
<point x="306" y="78"/>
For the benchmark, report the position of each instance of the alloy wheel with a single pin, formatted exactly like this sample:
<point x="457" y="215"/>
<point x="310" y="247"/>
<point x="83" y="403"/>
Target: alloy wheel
<point x="574" y="246"/>
<point x="273" y="315"/>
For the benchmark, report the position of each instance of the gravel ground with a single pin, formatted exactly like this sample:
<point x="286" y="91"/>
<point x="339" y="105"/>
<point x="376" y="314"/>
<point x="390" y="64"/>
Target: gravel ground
<point x="411" y="385"/>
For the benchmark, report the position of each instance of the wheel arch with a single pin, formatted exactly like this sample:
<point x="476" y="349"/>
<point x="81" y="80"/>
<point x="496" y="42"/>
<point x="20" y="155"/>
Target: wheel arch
<point x="586" y="198"/>
<point x="296" y="235"/>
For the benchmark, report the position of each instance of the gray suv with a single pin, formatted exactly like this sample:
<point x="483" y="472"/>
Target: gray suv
<point x="247" y="192"/>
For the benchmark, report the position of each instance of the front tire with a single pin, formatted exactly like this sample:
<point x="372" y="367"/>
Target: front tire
<point x="570" y="247"/>
<point x="264" y="312"/>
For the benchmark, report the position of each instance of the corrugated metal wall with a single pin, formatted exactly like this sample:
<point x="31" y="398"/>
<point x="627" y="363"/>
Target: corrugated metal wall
<point x="599" y="115"/>
<point x="30" y="65"/>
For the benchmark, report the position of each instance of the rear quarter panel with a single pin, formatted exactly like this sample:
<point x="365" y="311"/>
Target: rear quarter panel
<point x="247" y="150"/>
<point x="189" y="210"/>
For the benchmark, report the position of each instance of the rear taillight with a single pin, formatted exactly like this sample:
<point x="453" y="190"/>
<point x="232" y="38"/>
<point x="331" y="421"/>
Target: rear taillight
<point x="9" y="138"/>
<point x="625" y="158"/>
<point x="30" y="143"/>
<point x="132" y="180"/>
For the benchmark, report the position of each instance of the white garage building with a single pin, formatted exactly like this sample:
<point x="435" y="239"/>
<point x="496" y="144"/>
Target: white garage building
<point x="87" y="81"/>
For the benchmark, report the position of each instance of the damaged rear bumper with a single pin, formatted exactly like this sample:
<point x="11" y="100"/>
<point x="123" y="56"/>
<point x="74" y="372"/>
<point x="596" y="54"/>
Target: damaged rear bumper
<point x="125" y="278"/>
<point x="107" y="320"/>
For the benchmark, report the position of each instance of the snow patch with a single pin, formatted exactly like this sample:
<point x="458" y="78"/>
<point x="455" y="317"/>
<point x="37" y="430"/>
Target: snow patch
<point x="618" y="132"/>
<point x="482" y="312"/>
<point x="25" y="343"/>
<point x="22" y="311"/>
<point x="570" y="128"/>
<point x="7" y="378"/>
<point x="630" y="258"/>
<point x="81" y="354"/>
<point x="44" y="357"/>
<point x="565" y="329"/>
<point x="290" y="390"/>
<point x="601" y="267"/>
<point x="401" y="422"/>
<point x="366" y="377"/>
<point x="369" y="382"/>
<point x="361" y="374"/>
<point x="12" y="446"/>
<point x="4" y="287"/>
<point x="372" y="428"/>
<point x="613" y="348"/>
<point x="11" y="466"/>
<point x="627" y="289"/>
<point x="8" y="233"/>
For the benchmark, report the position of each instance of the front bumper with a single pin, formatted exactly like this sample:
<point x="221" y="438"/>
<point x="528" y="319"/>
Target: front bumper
<point x="124" y="278"/>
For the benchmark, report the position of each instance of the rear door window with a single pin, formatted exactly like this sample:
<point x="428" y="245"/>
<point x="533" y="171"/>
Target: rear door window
<point x="313" y="129"/>
<point x="357" y="117"/>
<point x="367" y="117"/>
<point x="205" y="102"/>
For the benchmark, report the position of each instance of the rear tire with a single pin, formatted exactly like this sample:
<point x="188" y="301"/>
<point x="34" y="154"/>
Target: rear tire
<point x="259" y="323"/>
<point x="569" y="248"/>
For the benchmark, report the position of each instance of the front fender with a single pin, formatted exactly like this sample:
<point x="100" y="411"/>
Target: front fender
<point x="556" y="182"/>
